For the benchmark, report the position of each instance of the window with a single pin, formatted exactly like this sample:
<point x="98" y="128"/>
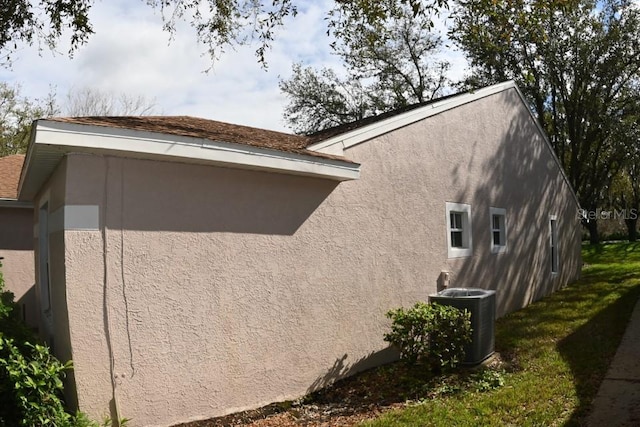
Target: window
<point x="498" y="217"/>
<point x="458" y="230"/>
<point x="455" y="219"/>
<point x="43" y="240"/>
<point x="553" y="243"/>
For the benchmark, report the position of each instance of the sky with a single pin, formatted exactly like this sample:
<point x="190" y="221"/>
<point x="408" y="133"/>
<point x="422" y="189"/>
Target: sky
<point x="129" y="53"/>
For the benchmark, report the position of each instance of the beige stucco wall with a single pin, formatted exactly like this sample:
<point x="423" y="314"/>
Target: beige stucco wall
<point x="208" y="290"/>
<point x="53" y="321"/>
<point x="16" y="247"/>
<point x="485" y="154"/>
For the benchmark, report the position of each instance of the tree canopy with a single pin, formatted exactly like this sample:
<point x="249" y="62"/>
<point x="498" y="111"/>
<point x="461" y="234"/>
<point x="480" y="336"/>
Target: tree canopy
<point x="576" y="61"/>
<point x="218" y="24"/>
<point x="87" y="101"/>
<point x="42" y="22"/>
<point x="17" y="112"/>
<point x="389" y="65"/>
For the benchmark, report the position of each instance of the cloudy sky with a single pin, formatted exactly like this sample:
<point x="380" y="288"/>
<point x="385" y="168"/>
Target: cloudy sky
<point x="129" y="53"/>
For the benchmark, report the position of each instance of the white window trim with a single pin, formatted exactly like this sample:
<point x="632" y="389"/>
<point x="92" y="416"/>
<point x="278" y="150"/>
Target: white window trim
<point x="453" y="252"/>
<point x="553" y="237"/>
<point x="498" y="249"/>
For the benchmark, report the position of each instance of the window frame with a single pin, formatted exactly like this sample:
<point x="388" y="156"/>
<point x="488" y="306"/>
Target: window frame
<point x="501" y="212"/>
<point x="466" y="249"/>
<point x="554" y="247"/>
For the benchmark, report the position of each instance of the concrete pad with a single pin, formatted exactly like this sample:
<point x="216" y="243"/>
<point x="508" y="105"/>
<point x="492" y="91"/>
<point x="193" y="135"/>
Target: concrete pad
<point x="626" y="363"/>
<point x="618" y="399"/>
<point x="617" y="404"/>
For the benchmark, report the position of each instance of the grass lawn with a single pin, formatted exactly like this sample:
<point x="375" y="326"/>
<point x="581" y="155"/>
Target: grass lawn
<point x="557" y="352"/>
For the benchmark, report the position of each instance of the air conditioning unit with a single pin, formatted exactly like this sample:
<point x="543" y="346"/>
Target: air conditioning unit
<point x="481" y="303"/>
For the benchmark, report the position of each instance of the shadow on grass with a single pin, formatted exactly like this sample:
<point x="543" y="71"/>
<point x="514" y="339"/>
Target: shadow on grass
<point x="585" y="323"/>
<point x="611" y="252"/>
<point x="589" y="350"/>
<point x="523" y="330"/>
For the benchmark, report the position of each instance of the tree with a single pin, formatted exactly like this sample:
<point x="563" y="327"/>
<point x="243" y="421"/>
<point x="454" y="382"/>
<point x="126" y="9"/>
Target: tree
<point x="389" y="65"/>
<point x="18" y="112"/>
<point x="16" y="115"/>
<point x="577" y="62"/>
<point x="219" y="24"/>
<point x="320" y="99"/>
<point x="625" y="184"/>
<point x="93" y="102"/>
<point x="41" y="22"/>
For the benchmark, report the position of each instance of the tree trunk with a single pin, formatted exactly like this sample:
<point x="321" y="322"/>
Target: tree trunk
<point x="594" y="237"/>
<point x="632" y="228"/>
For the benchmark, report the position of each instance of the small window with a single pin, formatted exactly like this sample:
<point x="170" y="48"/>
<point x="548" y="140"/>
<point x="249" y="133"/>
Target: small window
<point x="553" y="243"/>
<point x="455" y="219"/>
<point x="498" y="218"/>
<point x="458" y="230"/>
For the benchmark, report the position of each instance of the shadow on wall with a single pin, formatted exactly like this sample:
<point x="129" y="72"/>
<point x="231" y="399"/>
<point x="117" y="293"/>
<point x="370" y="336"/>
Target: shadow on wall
<point x="204" y="199"/>
<point x="342" y="368"/>
<point x="28" y="307"/>
<point x="16" y="229"/>
<point x="522" y="177"/>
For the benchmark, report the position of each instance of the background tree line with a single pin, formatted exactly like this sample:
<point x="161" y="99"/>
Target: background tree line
<point x="17" y="112"/>
<point x="576" y="61"/>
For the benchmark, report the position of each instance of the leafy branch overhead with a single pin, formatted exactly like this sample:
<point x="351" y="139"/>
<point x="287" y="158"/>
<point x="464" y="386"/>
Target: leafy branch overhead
<point x="16" y="115"/>
<point x="578" y="64"/>
<point x="42" y="22"/>
<point x="389" y="64"/>
<point x="218" y="24"/>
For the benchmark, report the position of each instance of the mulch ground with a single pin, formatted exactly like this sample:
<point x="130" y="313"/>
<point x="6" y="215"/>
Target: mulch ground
<point x="350" y="401"/>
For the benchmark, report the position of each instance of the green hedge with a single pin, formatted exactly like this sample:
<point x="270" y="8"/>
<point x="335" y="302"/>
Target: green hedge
<point x="430" y="333"/>
<point x="30" y="377"/>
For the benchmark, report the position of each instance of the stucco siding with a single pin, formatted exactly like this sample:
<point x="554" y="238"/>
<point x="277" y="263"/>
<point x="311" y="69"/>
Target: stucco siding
<point x="219" y="284"/>
<point x="500" y="161"/>
<point x="209" y="290"/>
<point x="53" y="315"/>
<point x="16" y="247"/>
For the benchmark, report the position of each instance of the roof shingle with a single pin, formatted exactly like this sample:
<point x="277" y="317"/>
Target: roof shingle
<point x="211" y="130"/>
<point x="10" y="168"/>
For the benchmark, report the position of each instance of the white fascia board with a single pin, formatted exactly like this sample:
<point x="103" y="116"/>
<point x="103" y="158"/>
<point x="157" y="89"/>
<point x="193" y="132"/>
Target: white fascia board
<point x="98" y="139"/>
<point x="336" y="144"/>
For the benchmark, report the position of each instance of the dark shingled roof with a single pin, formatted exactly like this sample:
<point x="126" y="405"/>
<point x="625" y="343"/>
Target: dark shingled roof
<point x="226" y="132"/>
<point x="206" y="129"/>
<point x="10" y="168"/>
<point x="348" y="127"/>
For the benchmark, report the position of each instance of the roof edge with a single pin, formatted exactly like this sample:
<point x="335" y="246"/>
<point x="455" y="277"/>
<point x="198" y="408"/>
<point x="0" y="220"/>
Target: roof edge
<point x="548" y="144"/>
<point x="335" y="145"/>
<point x="52" y="140"/>
<point x="14" y="203"/>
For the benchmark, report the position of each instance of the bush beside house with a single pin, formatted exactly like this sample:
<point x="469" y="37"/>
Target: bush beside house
<point x="430" y="333"/>
<point x="30" y="377"/>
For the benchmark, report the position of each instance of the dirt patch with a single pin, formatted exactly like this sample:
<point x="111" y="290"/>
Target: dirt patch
<point x="361" y="397"/>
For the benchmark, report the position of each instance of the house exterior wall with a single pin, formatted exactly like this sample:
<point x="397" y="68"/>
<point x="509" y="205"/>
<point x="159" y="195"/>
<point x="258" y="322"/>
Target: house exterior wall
<point x="16" y="247"/>
<point x="486" y="154"/>
<point x="53" y="321"/>
<point x="205" y="290"/>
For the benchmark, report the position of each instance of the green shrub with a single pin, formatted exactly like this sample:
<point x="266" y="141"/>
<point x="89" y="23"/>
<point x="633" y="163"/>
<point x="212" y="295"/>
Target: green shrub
<point x="36" y="377"/>
<point x="30" y="377"/>
<point x="430" y="333"/>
